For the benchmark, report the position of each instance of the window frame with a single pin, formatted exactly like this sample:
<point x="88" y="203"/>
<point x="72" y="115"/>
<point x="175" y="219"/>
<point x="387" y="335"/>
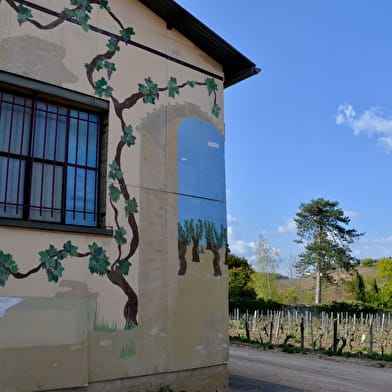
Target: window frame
<point x="44" y="92"/>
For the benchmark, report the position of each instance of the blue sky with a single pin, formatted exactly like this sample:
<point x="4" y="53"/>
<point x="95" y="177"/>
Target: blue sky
<point x="316" y="122"/>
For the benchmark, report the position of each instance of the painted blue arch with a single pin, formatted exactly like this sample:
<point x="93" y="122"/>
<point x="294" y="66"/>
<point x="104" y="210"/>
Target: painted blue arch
<point x="201" y="173"/>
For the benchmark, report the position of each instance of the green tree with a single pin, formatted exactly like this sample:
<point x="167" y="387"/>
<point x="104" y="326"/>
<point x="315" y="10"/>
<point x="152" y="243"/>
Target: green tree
<point x="321" y="229"/>
<point x="240" y="277"/>
<point x="358" y="287"/>
<point x="384" y="267"/>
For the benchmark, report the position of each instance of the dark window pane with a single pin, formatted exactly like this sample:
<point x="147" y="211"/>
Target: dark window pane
<point x="15" y="117"/>
<point x="50" y="132"/>
<point x="81" y="204"/>
<point x="46" y="192"/>
<point x="12" y="177"/>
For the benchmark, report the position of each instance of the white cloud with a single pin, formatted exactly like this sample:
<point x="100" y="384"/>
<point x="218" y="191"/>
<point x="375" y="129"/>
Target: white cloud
<point x="351" y="214"/>
<point x="289" y="227"/>
<point x="242" y="248"/>
<point x="372" y="122"/>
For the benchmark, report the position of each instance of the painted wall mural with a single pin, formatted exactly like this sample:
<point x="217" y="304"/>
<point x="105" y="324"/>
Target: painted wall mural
<point x="201" y="188"/>
<point x="202" y="220"/>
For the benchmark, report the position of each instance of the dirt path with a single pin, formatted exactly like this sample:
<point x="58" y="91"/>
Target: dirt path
<point x="308" y="373"/>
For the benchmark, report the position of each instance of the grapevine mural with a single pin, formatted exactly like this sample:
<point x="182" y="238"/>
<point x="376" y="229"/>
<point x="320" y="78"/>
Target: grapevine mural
<point x="99" y="71"/>
<point x="201" y="187"/>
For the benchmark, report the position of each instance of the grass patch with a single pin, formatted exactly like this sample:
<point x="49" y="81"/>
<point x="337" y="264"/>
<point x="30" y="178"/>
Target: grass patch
<point x="128" y="351"/>
<point x="101" y="325"/>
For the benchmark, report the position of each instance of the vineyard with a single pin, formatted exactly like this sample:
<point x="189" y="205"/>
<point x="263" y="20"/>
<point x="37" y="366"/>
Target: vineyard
<point x="366" y="334"/>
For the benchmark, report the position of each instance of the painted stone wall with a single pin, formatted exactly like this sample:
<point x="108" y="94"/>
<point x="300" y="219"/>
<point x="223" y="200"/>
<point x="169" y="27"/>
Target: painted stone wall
<point x="78" y="307"/>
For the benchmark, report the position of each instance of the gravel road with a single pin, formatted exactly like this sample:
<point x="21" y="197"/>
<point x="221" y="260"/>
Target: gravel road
<point x="254" y="370"/>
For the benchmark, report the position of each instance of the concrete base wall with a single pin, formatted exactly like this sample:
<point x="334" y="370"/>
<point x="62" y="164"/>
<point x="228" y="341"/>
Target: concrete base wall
<point x="208" y="379"/>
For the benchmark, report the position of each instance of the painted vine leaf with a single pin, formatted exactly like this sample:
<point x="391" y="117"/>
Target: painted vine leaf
<point x="24" y="14"/>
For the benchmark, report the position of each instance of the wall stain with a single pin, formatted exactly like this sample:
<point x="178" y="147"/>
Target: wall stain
<point x="36" y="58"/>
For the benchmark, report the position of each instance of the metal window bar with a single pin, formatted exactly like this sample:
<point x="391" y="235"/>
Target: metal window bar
<point x="8" y="154"/>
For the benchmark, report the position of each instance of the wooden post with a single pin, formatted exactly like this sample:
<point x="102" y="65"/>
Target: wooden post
<point x="335" y="335"/>
<point x="302" y="328"/>
<point x="371" y="335"/>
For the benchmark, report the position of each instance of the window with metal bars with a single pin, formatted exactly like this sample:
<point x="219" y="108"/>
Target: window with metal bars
<point x="49" y="161"/>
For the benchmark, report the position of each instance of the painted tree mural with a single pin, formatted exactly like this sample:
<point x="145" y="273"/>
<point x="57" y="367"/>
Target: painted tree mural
<point x="99" y="71"/>
<point x="203" y="231"/>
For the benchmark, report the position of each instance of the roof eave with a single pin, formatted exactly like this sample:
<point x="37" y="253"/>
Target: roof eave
<point x="236" y="66"/>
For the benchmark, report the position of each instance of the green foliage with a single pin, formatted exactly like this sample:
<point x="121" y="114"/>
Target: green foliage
<point x="249" y="304"/>
<point x="384" y="267"/>
<point x="112" y="45"/>
<point x="264" y="284"/>
<point x="240" y="278"/>
<point x="7" y="266"/>
<point x="191" y="83"/>
<point x="368" y="262"/>
<point x="211" y="85"/>
<point x="115" y="173"/>
<point x="194" y="230"/>
<point x="123" y="267"/>
<point x="102" y="89"/>
<point x="104" y="4"/>
<point x="290" y="295"/>
<point x="131" y="206"/>
<point x="98" y="261"/>
<point x="127" y="34"/>
<point x="119" y="236"/>
<point x="23" y="14"/>
<point x="183" y="235"/>
<point x="149" y="90"/>
<point x="172" y="87"/>
<point x="217" y="238"/>
<point x="346" y="307"/>
<point x="216" y="110"/>
<point x="80" y="13"/>
<point x="128" y="138"/>
<point x="50" y="260"/>
<point x="357" y="287"/>
<point x="70" y="249"/>
<point x="114" y="193"/>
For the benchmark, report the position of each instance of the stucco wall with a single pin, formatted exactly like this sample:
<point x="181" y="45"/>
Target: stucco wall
<point x="71" y="333"/>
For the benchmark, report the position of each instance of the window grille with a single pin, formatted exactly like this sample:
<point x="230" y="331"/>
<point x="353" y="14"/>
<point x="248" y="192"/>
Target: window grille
<point x="49" y="161"/>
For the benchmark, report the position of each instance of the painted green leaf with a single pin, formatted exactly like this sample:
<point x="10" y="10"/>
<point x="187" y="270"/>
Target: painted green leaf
<point x="216" y="110"/>
<point x="191" y="83"/>
<point x="104" y="4"/>
<point x="128" y="137"/>
<point x="211" y="85"/>
<point x="127" y="33"/>
<point x="172" y="87"/>
<point x="102" y="88"/>
<point x="112" y="44"/>
<point x="99" y="66"/>
<point x="7" y="262"/>
<point x="131" y="206"/>
<point x="70" y="249"/>
<point x="110" y="68"/>
<point x="123" y="267"/>
<point x="23" y="14"/>
<point x="149" y="90"/>
<point x="115" y="173"/>
<point x="119" y="236"/>
<point x="114" y="193"/>
<point x="98" y="261"/>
